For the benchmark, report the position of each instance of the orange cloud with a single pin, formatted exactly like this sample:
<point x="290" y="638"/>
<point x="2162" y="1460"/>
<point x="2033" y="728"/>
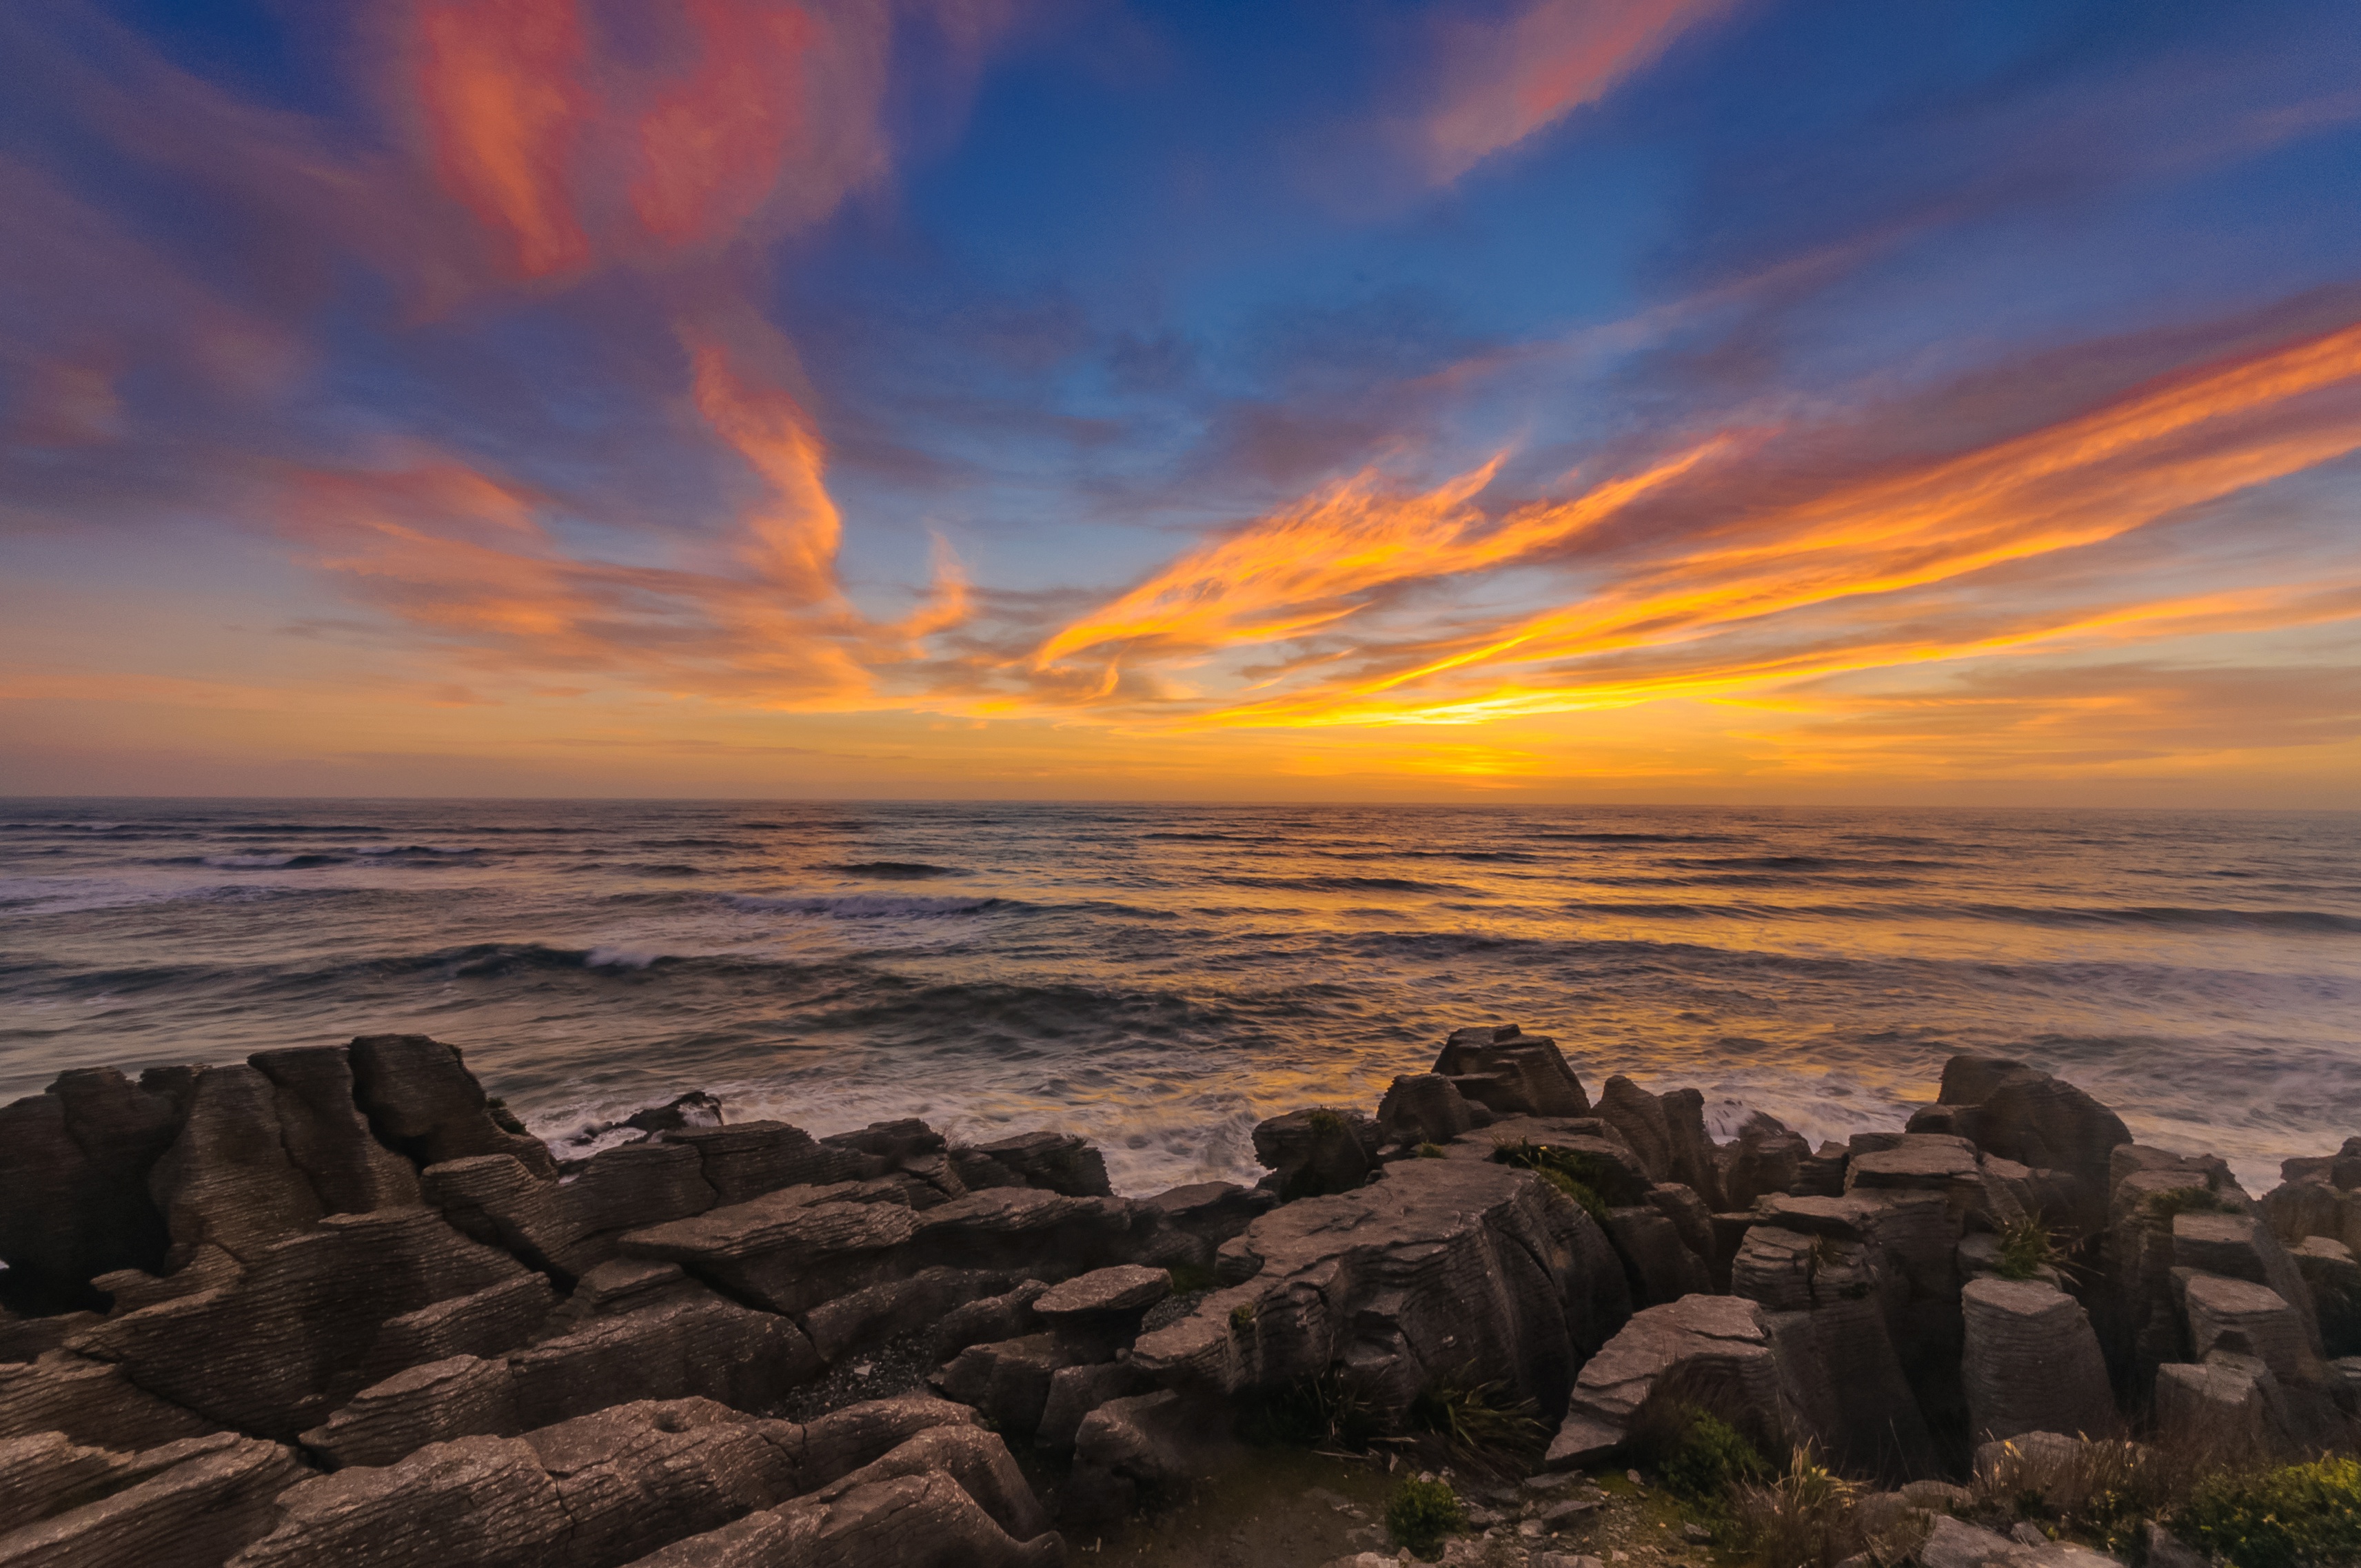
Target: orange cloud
<point x="474" y="559"/>
<point x="1503" y="83"/>
<point x="791" y="542"/>
<point x="1708" y="594"/>
<point x="1320" y="561"/>
<point x="499" y="83"/>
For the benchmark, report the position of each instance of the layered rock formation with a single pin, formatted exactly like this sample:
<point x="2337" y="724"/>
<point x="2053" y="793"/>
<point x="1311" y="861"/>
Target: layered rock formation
<point x="329" y="1305"/>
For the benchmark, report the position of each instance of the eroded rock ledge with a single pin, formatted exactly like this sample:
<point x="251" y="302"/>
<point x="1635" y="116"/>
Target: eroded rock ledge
<point x="332" y="1305"/>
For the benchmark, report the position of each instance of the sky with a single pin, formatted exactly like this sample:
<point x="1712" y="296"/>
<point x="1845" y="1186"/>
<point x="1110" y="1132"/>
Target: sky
<point x="1780" y="401"/>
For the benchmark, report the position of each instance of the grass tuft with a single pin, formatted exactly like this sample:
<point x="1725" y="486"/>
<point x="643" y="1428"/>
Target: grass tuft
<point x="1710" y="1460"/>
<point x="2190" y="1200"/>
<point x="1577" y="1175"/>
<point x="1420" y="1513"/>
<point x="2027" y="1249"/>
<point x="1481" y="1423"/>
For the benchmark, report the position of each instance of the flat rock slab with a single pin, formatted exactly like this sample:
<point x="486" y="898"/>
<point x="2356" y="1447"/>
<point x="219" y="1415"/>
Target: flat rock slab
<point x="1720" y="1340"/>
<point x="1126" y="1288"/>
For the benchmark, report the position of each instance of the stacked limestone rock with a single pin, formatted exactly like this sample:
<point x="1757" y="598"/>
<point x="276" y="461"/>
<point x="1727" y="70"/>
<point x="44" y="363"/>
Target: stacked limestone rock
<point x="325" y="1306"/>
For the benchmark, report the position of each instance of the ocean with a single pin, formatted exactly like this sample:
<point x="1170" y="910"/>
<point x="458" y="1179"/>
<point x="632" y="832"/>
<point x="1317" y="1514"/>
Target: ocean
<point x="1159" y="978"/>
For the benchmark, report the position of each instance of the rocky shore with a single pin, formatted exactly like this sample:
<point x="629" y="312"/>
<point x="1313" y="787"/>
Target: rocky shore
<point x="333" y="1306"/>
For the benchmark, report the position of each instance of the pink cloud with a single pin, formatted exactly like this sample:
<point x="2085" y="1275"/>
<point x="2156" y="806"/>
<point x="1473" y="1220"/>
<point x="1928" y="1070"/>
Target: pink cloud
<point x="1506" y="81"/>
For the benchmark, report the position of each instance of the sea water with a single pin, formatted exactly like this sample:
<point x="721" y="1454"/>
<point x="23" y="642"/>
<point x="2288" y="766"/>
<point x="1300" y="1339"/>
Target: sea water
<point x="1159" y="978"/>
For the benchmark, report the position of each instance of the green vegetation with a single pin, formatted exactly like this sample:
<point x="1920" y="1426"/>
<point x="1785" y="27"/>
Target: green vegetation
<point x="1242" y="1317"/>
<point x="1577" y="1175"/>
<point x="2027" y="1248"/>
<point x="1480" y="1422"/>
<point x="1711" y="1459"/>
<point x="1802" y="1519"/>
<point x="1420" y="1513"/>
<point x="1429" y="1151"/>
<point x="2190" y="1200"/>
<point x="1188" y="1278"/>
<point x="1326" y="1412"/>
<point x="2297" y="1516"/>
<point x="1325" y="1122"/>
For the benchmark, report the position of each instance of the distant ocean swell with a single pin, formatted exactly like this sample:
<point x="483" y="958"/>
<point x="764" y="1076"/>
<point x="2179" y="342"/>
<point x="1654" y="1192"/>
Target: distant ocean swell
<point x="1160" y="977"/>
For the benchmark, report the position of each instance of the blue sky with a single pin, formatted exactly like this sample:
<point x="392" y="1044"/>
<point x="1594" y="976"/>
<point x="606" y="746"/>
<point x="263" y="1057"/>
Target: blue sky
<point x="1655" y="398"/>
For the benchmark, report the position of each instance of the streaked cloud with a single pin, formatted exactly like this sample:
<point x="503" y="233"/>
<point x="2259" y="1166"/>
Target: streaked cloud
<point x="1507" y="81"/>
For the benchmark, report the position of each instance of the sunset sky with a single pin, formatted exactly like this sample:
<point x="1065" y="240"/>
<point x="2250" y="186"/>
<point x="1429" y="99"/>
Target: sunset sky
<point x="1751" y="400"/>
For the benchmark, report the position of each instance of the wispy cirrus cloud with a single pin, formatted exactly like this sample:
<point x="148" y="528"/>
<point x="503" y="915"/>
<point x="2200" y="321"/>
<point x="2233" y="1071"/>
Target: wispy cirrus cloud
<point x="1705" y="587"/>
<point x="1503" y="81"/>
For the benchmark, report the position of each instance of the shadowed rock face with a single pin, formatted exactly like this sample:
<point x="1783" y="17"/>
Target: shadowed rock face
<point x="2019" y="1113"/>
<point x="340" y="1259"/>
<point x="1442" y="1267"/>
<point x="2032" y="1363"/>
<point x="73" y="1166"/>
<point x="1511" y="1072"/>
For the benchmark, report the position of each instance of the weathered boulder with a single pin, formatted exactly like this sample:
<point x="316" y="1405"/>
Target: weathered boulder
<point x="1423" y="1108"/>
<point x="1008" y="1380"/>
<point x="2133" y="1306"/>
<point x="1093" y="1315"/>
<point x="1766" y="1158"/>
<point x="2332" y="1276"/>
<point x="1076" y="1391"/>
<point x="74" y="1183"/>
<point x="1205" y="1214"/>
<point x="1316" y="1151"/>
<point x="422" y="1100"/>
<point x="2220" y="1405"/>
<point x="746" y="1160"/>
<point x="499" y="1317"/>
<point x="919" y="1520"/>
<point x="1054" y="1162"/>
<point x="1006" y="1316"/>
<point x="2032" y="1363"/>
<point x="1908" y="1264"/>
<point x="1511" y="1072"/>
<point x="699" y="1346"/>
<point x="598" y="1490"/>
<point x="1657" y="1260"/>
<point x="327" y="1137"/>
<point x="791" y="1250"/>
<point x="228" y="1180"/>
<point x="91" y="1402"/>
<point x="1586" y="1147"/>
<point x="1838" y="1366"/>
<point x="462" y="1396"/>
<point x="2023" y="1114"/>
<point x="1712" y="1351"/>
<point x="1637" y="1115"/>
<point x="1823" y="1174"/>
<point x="1444" y="1267"/>
<point x="290" y="1339"/>
<point x="1692" y="1157"/>
<point x="1130" y="1450"/>
<point x="2253" y="1319"/>
<point x="871" y="1316"/>
<point x="2241" y="1247"/>
<point x="186" y="1505"/>
<point x="564" y="1229"/>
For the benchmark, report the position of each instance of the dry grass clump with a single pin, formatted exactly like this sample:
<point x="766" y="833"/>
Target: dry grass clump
<point x="2096" y="1489"/>
<point x="1805" y="1517"/>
